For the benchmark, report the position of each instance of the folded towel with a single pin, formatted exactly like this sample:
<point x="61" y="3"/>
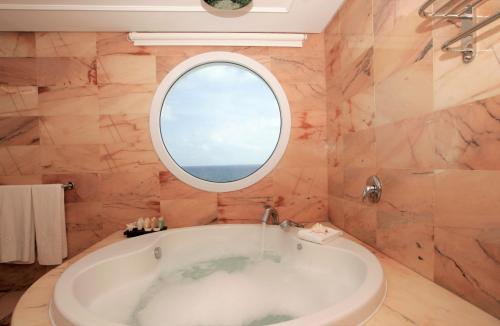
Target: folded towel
<point x="50" y="223"/>
<point x="17" y="233"/>
<point x="319" y="234"/>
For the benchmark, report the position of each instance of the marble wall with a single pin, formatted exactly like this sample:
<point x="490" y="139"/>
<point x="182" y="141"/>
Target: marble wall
<point x="75" y="107"/>
<point x="429" y="126"/>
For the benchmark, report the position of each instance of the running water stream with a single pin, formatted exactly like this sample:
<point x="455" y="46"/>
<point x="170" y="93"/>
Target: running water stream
<point x="262" y="240"/>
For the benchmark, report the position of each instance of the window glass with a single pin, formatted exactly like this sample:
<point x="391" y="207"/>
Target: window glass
<point x="220" y="122"/>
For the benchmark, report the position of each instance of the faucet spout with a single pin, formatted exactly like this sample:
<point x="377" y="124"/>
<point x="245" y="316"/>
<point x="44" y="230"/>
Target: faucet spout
<point x="270" y="213"/>
<point x="286" y="224"/>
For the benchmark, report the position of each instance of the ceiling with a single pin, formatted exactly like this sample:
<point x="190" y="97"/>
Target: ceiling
<point x="267" y="16"/>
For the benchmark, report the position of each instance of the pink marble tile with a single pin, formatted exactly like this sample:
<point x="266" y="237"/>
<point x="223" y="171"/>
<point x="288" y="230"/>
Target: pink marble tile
<point x="124" y="128"/>
<point x="18" y="71"/>
<point x="164" y="64"/>
<point x="189" y="212"/>
<point x="398" y="194"/>
<point x="126" y="99"/>
<point x="467" y="137"/>
<point x="335" y="174"/>
<point x="263" y="189"/>
<point x="128" y="196"/>
<point x="301" y="208"/>
<point x="356" y="17"/>
<point x="17" y="276"/>
<point x="126" y="69"/>
<point x="452" y="78"/>
<point x="64" y="159"/>
<point x="65" y="44"/>
<point x="68" y="101"/>
<point x="86" y="186"/>
<point x="408" y="144"/>
<point x="360" y="221"/>
<point x="334" y="46"/>
<point x="62" y="130"/>
<point x="246" y="204"/>
<point x="169" y="57"/>
<point x="408" y="238"/>
<point x="335" y="123"/>
<point x="84" y="223"/>
<point x="298" y="69"/>
<point x="305" y="97"/>
<point x="17" y="44"/>
<point x="399" y="18"/>
<point x="20" y="160"/>
<point x="66" y="71"/>
<point x="20" y="180"/>
<point x="467" y="263"/>
<point x="355" y="182"/>
<point x="336" y="211"/>
<point x="309" y="125"/>
<point x="395" y="54"/>
<point x="126" y="157"/>
<point x="464" y="199"/>
<point x="303" y="154"/>
<point x="19" y="131"/>
<point x="18" y="101"/>
<point x="360" y="149"/>
<point x="172" y="188"/>
<point x="300" y="181"/>
<point x="357" y="75"/>
<point x="358" y="111"/>
<point x="403" y="74"/>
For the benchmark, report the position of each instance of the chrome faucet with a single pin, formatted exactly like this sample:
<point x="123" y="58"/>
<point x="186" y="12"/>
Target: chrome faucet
<point x="272" y="213"/>
<point x="286" y="224"/>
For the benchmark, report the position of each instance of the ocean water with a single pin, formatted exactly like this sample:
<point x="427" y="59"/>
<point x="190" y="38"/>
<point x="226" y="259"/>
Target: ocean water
<point x="221" y="173"/>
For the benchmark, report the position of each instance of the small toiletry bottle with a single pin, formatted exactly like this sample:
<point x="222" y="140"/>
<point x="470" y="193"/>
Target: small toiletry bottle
<point x="154" y="224"/>
<point x="161" y="223"/>
<point x="140" y="223"/>
<point x="147" y="224"/>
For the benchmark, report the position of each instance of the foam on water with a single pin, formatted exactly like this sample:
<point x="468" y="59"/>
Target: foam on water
<point x="236" y="290"/>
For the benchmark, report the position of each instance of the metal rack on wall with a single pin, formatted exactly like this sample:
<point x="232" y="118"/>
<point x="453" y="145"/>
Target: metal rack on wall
<point x="463" y="11"/>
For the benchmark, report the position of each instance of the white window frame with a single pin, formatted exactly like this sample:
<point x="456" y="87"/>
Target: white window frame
<point x="213" y="57"/>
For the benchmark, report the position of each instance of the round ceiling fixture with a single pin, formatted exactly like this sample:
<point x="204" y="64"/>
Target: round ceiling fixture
<point x="228" y="4"/>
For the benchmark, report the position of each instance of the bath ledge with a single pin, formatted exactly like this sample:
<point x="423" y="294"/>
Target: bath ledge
<point x="411" y="299"/>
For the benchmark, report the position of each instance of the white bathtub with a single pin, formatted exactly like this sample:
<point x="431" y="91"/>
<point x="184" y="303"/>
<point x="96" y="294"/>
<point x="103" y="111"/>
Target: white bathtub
<point x="105" y="287"/>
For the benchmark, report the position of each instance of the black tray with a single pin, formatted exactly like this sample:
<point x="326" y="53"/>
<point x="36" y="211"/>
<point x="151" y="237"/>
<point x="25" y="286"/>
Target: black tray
<point x="136" y="232"/>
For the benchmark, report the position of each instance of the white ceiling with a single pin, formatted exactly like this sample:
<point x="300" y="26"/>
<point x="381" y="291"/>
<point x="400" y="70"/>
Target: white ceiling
<point x="279" y="16"/>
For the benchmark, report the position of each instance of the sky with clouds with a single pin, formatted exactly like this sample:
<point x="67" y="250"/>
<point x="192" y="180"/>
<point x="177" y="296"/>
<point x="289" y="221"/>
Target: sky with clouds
<point x="220" y="114"/>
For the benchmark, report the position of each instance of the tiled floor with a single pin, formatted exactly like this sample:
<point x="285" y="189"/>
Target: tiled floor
<point x="8" y="301"/>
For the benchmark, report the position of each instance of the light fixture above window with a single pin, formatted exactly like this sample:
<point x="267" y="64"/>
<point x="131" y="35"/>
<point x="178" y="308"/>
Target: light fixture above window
<point x="228" y="4"/>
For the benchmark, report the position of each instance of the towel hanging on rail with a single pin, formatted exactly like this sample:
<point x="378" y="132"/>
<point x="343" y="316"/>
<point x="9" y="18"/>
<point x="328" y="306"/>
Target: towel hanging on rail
<point x="17" y="232"/>
<point x="50" y="223"/>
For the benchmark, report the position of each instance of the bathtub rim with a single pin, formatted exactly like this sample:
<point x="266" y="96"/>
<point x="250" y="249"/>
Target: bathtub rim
<point x="371" y="291"/>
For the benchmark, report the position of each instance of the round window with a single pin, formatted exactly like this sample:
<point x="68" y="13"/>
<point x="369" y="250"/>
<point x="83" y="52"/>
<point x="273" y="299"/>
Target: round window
<point x="220" y="121"/>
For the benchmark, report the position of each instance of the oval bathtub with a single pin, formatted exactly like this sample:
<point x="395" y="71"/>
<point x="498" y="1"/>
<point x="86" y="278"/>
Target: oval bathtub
<point x="220" y="275"/>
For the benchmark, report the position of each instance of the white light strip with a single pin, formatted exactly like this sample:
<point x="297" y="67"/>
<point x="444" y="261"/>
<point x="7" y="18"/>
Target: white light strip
<point x="218" y="39"/>
<point x="129" y="8"/>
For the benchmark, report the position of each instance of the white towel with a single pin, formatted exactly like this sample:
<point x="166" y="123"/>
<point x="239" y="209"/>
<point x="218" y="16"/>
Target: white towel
<point x="328" y="234"/>
<point x="50" y="223"/>
<point x="17" y="234"/>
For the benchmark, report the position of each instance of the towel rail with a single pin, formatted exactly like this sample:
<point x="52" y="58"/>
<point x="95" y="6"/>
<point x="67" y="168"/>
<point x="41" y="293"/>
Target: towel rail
<point x="489" y="20"/>
<point x="68" y="186"/>
<point x="463" y="10"/>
